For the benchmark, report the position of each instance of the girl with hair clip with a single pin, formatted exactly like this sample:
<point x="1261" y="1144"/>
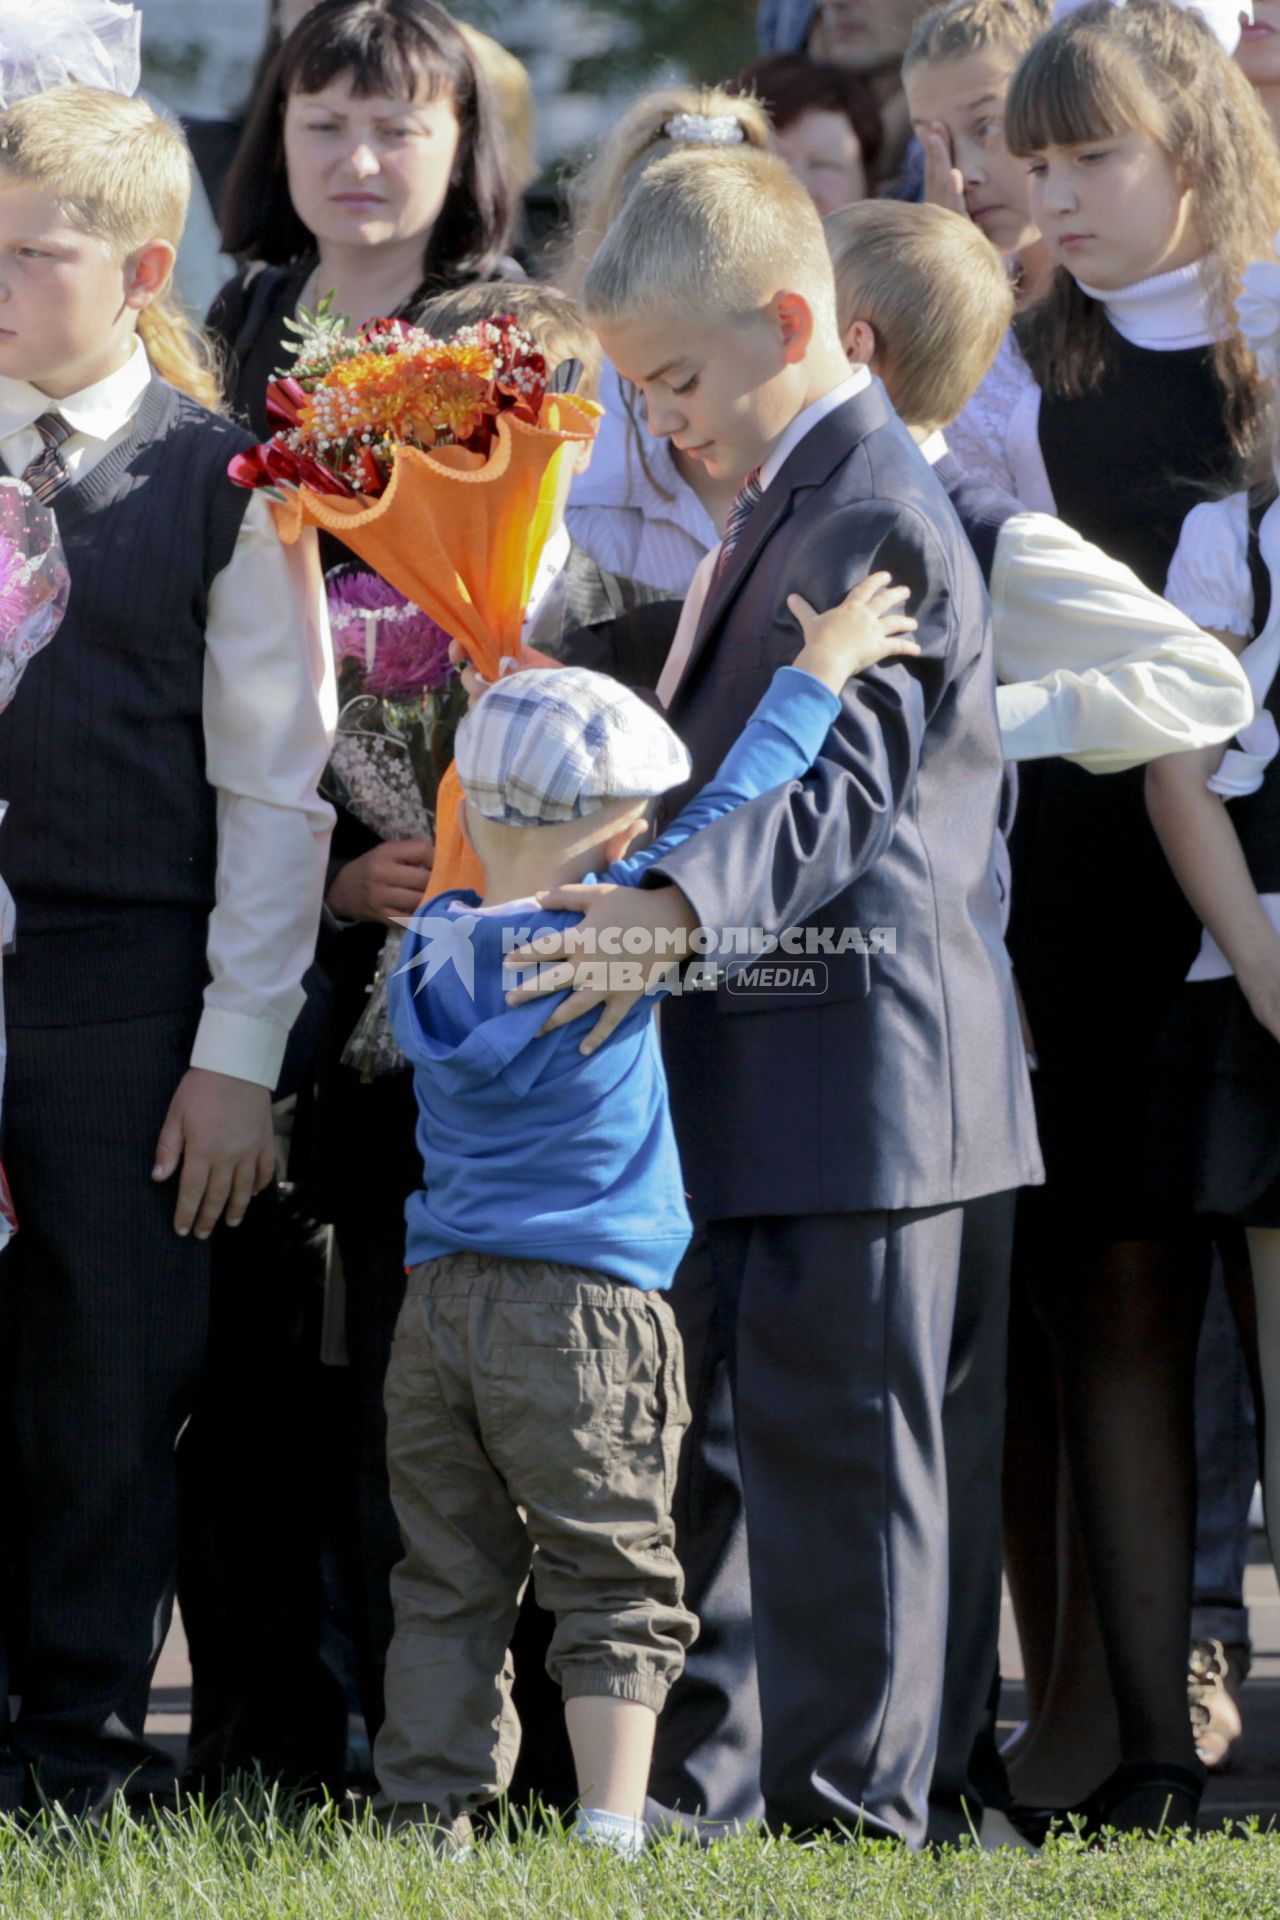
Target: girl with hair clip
<point x="643" y="508"/>
<point x="1129" y="393"/>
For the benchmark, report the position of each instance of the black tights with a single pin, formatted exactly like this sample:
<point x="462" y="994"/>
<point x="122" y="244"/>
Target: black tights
<point x="1124" y="1321"/>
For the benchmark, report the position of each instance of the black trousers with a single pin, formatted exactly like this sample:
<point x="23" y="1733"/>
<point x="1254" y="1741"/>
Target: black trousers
<point x="251" y="1465"/>
<point x="706" y="1759"/>
<point x="839" y="1330"/>
<point x="104" y="1321"/>
<point x="969" y="1773"/>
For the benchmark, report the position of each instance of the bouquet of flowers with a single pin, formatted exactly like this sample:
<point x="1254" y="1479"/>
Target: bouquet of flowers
<point x="441" y="464"/>
<point x="33" y="598"/>
<point x="399" y="703"/>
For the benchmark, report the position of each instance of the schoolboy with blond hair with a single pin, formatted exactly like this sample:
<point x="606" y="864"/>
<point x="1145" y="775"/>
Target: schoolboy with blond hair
<point x="1100" y="670"/>
<point x="829" y="1135"/>
<point x="166" y="847"/>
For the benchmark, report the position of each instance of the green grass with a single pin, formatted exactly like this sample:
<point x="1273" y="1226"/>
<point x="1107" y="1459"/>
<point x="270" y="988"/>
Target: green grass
<point x="226" y="1864"/>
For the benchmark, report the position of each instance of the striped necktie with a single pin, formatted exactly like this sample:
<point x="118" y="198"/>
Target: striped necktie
<point x="748" y="494"/>
<point x="46" y="475"/>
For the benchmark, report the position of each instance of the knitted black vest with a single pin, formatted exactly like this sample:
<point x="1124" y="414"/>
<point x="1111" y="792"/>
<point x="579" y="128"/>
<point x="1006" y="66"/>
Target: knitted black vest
<point x="110" y="842"/>
<point x="1128" y="461"/>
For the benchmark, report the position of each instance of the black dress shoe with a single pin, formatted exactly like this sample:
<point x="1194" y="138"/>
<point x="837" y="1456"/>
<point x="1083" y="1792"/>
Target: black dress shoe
<point x="1143" y="1796"/>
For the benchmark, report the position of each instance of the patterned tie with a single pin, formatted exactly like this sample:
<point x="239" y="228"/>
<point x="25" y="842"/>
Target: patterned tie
<point x="748" y="494"/>
<point x="46" y="475"/>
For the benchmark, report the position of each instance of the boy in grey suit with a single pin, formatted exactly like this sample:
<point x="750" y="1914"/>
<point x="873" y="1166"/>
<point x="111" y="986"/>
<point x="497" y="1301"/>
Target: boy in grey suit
<point x="832" y="1117"/>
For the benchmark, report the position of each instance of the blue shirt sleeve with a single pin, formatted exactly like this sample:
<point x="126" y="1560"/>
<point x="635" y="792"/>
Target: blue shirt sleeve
<point x="780" y="742"/>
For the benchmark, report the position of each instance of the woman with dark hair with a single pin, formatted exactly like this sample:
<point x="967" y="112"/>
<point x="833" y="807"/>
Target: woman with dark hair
<point x="826" y="122"/>
<point x="372" y="167"/>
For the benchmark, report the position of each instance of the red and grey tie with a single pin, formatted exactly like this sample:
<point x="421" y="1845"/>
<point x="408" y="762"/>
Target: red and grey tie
<point x="47" y="475"/>
<point x="748" y="494"/>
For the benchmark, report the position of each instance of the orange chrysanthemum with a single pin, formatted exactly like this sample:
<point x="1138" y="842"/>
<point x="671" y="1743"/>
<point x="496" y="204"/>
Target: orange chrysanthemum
<point x="418" y="397"/>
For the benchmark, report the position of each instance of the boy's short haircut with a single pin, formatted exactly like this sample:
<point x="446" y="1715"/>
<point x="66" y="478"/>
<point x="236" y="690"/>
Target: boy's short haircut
<point x="975" y="26"/>
<point x="554" y="322"/>
<point x="934" y="290"/>
<point x="716" y="233"/>
<point x="122" y="172"/>
<point x="117" y="169"/>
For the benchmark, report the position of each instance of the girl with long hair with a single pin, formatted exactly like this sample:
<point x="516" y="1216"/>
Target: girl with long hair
<point x="1127" y="394"/>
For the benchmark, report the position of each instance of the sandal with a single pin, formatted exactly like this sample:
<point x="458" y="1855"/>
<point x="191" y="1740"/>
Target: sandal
<point x="1215" y="1717"/>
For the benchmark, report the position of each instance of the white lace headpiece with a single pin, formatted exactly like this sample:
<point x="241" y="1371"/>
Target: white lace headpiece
<point x="1223" y="16"/>
<point x="704" y="130"/>
<point x="46" y="43"/>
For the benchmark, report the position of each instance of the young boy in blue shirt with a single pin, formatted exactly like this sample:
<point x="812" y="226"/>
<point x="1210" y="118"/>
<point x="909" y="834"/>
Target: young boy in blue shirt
<point x="535" y="1396"/>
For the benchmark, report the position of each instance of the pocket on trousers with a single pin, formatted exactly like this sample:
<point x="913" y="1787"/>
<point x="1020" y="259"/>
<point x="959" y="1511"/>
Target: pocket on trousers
<point x="555" y="1416"/>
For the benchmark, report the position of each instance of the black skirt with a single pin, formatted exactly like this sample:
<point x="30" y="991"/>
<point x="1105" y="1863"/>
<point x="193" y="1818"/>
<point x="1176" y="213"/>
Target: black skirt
<point x="1213" y="1133"/>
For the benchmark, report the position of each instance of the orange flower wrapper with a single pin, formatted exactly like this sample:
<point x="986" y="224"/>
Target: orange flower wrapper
<point x="460" y="534"/>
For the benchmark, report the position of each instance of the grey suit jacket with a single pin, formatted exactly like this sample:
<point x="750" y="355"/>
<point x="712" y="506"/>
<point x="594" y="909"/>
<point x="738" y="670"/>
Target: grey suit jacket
<point x="901" y="1081"/>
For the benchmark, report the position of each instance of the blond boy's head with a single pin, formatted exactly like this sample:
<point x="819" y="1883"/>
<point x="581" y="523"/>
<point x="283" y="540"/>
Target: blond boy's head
<point x="100" y="183"/>
<point x="713" y="294"/>
<point x="115" y="167"/>
<point x="924" y="298"/>
<point x="715" y="233"/>
<point x="555" y="323"/>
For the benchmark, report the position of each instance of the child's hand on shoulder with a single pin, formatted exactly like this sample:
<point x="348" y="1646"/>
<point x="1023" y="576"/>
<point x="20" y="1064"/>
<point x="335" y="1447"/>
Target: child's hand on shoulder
<point x="867" y="626"/>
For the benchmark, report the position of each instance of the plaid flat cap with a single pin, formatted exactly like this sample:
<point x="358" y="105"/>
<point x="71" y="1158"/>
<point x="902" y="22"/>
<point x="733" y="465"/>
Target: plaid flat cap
<point x="553" y="744"/>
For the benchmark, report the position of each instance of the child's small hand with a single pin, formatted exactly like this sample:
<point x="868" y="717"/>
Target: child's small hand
<point x="867" y="626"/>
<point x="473" y="683"/>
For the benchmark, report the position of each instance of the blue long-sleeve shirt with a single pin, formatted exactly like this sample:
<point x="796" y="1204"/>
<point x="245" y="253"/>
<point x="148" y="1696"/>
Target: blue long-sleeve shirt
<point x="531" y="1148"/>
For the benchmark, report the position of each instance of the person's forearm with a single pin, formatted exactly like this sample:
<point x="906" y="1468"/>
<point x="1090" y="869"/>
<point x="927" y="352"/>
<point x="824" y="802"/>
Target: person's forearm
<point x="1202" y="847"/>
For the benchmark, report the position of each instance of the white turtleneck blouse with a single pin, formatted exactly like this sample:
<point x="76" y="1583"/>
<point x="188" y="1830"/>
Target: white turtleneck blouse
<point x="997" y="436"/>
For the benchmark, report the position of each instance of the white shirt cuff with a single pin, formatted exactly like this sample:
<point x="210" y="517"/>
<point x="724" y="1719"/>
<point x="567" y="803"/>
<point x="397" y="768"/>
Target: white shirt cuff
<point x="234" y="1044"/>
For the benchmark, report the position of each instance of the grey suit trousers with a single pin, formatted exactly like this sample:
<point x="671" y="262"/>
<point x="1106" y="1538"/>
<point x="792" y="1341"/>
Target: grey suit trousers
<point x="841" y="1333"/>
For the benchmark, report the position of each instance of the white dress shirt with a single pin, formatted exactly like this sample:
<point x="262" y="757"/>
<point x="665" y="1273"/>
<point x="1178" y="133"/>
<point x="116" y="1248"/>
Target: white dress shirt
<point x="691" y="613"/>
<point x="1095" y="667"/>
<point x="1209" y="577"/>
<point x="269" y="711"/>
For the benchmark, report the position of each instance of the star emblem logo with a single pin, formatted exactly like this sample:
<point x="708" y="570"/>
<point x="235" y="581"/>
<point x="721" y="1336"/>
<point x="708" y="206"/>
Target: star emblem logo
<point x="445" y="938"/>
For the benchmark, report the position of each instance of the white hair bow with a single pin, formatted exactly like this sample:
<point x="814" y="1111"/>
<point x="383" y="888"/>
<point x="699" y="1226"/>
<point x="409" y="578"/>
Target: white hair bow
<point x="1258" y="312"/>
<point x="1223" y="16"/>
<point x="704" y="130"/>
<point x="46" y="43"/>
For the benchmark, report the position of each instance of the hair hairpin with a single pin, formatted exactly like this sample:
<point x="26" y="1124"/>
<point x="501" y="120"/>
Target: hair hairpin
<point x="704" y="130"/>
